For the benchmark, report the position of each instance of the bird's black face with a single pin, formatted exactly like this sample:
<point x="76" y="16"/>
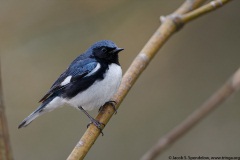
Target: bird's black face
<point x="108" y="54"/>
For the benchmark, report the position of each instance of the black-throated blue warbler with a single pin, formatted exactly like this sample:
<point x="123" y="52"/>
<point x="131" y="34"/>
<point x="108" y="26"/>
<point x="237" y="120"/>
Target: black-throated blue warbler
<point x="89" y="82"/>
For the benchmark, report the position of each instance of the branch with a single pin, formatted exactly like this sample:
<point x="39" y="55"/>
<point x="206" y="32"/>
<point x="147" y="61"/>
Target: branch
<point x="203" y="10"/>
<point x="5" y="147"/>
<point x="188" y="6"/>
<point x="231" y="86"/>
<point x="168" y="27"/>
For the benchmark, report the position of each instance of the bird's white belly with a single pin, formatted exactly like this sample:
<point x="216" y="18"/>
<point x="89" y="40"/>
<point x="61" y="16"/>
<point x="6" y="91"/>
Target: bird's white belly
<point x="100" y="92"/>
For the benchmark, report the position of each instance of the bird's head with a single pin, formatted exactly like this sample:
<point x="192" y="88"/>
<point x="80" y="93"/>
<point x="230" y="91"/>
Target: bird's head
<point x="105" y="50"/>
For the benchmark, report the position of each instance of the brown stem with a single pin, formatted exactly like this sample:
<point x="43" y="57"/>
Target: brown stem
<point x="5" y="147"/>
<point x="213" y="102"/>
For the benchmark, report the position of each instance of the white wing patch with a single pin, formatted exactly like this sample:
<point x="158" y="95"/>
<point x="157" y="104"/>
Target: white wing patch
<point x="94" y="70"/>
<point x="66" y="80"/>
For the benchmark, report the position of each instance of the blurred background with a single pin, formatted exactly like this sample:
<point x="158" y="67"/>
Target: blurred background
<point x="39" y="39"/>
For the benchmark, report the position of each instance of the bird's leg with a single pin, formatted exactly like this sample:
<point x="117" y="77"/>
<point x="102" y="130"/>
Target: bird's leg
<point x="112" y="103"/>
<point x="93" y="121"/>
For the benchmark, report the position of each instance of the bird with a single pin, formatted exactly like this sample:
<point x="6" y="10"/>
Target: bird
<point x="89" y="82"/>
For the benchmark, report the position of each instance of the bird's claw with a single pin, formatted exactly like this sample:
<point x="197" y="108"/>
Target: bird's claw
<point x="112" y="103"/>
<point x="98" y="124"/>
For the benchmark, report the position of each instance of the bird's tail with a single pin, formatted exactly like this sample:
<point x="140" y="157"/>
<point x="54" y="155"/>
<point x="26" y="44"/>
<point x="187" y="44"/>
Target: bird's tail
<point x="31" y="117"/>
<point x="48" y="105"/>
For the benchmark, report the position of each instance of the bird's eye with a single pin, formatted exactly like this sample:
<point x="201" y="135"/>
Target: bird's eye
<point x="104" y="50"/>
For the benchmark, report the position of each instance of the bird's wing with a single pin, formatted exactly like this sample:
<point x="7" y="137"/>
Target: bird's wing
<point x="76" y="71"/>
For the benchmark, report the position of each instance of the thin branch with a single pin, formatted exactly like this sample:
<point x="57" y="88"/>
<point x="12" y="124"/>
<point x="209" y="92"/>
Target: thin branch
<point x="188" y="6"/>
<point x="5" y="147"/>
<point x="168" y="27"/>
<point x="231" y="86"/>
<point x="203" y="10"/>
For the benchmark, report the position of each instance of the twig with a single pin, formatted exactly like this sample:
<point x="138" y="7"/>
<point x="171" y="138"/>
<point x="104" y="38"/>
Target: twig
<point x="231" y="86"/>
<point x="138" y="65"/>
<point x="203" y="10"/>
<point x="188" y="6"/>
<point x="5" y="147"/>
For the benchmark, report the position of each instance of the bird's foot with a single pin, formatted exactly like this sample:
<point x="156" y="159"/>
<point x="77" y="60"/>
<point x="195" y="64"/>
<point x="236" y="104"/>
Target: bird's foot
<point x="98" y="124"/>
<point x="112" y="103"/>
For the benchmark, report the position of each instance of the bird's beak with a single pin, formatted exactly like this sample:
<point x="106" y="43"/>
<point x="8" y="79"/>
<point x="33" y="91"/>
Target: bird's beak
<point x="117" y="50"/>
